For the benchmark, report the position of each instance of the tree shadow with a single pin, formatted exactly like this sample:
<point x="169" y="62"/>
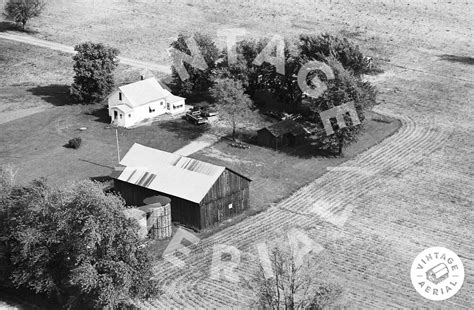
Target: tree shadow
<point x="184" y="129"/>
<point x="101" y="114"/>
<point x="307" y="150"/>
<point x="55" y="94"/>
<point x="461" y="59"/>
<point x="10" y="26"/>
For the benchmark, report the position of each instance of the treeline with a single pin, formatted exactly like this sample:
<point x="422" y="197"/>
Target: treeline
<point x="346" y="61"/>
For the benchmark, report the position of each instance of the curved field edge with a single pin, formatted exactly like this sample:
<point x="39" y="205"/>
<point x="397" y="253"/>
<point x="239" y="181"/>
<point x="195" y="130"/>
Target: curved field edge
<point x="260" y="164"/>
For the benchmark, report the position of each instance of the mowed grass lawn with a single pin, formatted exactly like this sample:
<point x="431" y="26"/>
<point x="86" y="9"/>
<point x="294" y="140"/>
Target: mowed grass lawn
<point x="37" y="77"/>
<point x="35" y="144"/>
<point x="277" y="174"/>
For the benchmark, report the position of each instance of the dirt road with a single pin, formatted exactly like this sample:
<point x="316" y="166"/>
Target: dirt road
<point x="69" y="49"/>
<point x="198" y="144"/>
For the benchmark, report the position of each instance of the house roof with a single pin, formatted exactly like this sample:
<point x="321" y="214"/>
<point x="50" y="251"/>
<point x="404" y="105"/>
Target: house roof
<point x="284" y="127"/>
<point x="172" y="98"/>
<point x="168" y="173"/>
<point x="123" y="107"/>
<point x="145" y="91"/>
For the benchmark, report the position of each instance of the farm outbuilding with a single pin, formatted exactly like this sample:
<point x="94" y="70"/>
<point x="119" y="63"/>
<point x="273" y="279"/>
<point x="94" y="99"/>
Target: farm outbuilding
<point x="284" y="133"/>
<point x="201" y="193"/>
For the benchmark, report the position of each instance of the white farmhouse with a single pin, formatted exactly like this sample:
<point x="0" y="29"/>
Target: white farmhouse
<point x="135" y="102"/>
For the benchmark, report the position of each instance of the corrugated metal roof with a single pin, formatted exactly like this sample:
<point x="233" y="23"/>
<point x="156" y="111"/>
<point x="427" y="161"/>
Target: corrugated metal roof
<point x="169" y="173"/>
<point x="144" y="91"/>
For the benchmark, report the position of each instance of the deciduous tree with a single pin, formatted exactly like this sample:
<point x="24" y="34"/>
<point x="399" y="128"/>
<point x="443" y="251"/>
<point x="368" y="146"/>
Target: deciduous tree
<point x="233" y="104"/>
<point x="345" y="87"/>
<point x="94" y="67"/>
<point x="325" y="45"/>
<point x="74" y="243"/>
<point x="292" y="286"/>
<point x="21" y="11"/>
<point x="198" y="80"/>
<point x="243" y="69"/>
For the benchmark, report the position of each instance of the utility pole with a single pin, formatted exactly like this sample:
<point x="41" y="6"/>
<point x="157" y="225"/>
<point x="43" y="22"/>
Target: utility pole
<point x="118" y="148"/>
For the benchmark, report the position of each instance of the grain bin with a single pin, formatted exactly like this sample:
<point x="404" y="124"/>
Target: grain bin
<point x="158" y="209"/>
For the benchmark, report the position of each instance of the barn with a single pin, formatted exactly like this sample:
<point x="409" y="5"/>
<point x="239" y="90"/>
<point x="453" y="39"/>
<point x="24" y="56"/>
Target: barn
<point x="201" y="193"/>
<point x="284" y="133"/>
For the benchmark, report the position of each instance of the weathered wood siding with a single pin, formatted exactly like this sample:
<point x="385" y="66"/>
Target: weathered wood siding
<point x="266" y="138"/>
<point x="183" y="211"/>
<point x="230" y="188"/>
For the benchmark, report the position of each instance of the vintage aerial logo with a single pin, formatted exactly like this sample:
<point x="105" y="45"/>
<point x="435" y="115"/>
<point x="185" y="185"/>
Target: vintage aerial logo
<point x="437" y="273"/>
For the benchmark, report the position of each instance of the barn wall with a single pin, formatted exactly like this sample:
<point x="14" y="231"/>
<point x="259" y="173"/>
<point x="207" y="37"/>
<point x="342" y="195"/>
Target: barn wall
<point x="4" y="267"/>
<point x="183" y="211"/>
<point x="230" y="188"/>
<point x="266" y="138"/>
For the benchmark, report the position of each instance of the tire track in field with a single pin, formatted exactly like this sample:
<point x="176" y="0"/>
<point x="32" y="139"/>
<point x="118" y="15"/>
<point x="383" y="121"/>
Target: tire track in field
<point x="391" y="157"/>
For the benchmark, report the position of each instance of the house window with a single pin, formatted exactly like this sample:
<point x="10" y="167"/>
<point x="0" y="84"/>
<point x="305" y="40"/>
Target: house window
<point x="129" y="115"/>
<point x="120" y="96"/>
<point x="120" y="115"/>
<point x="151" y="110"/>
<point x="161" y="102"/>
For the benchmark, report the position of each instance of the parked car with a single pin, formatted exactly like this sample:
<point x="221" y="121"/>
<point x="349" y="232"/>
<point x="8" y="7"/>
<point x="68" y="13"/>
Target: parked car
<point x="195" y="117"/>
<point x="209" y="111"/>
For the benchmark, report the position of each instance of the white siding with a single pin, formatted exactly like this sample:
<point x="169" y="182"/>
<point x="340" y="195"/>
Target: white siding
<point x="142" y="112"/>
<point x="177" y="107"/>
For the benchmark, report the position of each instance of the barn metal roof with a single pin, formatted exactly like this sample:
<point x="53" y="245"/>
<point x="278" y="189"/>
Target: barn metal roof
<point x="168" y="173"/>
<point x="145" y="91"/>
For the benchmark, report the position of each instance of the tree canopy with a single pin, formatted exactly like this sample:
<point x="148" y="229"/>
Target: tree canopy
<point x="325" y="45"/>
<point x="74" y="244"/>
<point x="94" y="67"/>
<point x="21" y="11"/>
<point x="198" y="76"/>
<point x="292" y="286"/>
<point x="233" y="104"/>
<point x="344" y="88"/>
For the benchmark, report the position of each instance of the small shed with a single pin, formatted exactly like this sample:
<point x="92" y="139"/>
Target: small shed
<point x="201" y="193"/>
<point x="284" y="133"/>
